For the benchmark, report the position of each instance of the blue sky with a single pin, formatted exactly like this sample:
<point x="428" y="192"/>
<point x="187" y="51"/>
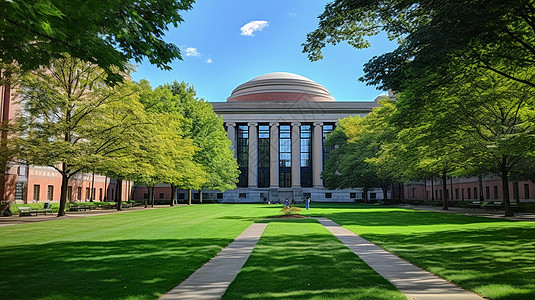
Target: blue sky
<point x="224" y="57"/>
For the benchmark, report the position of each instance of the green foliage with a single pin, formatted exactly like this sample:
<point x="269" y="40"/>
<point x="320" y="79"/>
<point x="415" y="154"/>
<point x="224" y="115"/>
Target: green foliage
<point x="72" y="119"/>
<point x="106" y="33"/>
<point x="290" y="210"/>
<point x="493" y="35"/>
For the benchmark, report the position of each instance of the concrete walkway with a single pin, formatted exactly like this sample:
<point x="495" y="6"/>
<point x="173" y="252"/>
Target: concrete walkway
<point x="414" y="282"/>
<point x="211" y="280"/>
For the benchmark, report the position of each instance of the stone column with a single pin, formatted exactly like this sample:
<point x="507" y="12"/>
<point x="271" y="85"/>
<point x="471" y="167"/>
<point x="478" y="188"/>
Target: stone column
<point x="296" y="155"/>
<point x="253" y="156"/>
<point x="317" y="155"/>
<point x="231" y="133"/>
<point x="273" y="155"/>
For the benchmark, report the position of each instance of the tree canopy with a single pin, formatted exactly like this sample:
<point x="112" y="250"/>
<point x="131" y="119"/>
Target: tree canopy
<point x="105" y="33"/>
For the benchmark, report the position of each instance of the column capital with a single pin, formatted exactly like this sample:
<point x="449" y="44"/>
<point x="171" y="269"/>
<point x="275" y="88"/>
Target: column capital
<point x="271" y="124"/>
<point x="318" y="123"/>
<point x="252" y="124"/>
<point x="296" y="124"/>
<point x="233" y="124"/>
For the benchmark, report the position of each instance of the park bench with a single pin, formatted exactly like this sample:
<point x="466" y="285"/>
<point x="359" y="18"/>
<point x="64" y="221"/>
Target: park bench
<point x="78" y="207"/>
<point x="435" y="203"/>
<point x="107" y="206"/>
<point x="516" y="207"/>
<point x="494" y="205"/>
<point x="474" y="205"/>
<point x="28" y="211"/>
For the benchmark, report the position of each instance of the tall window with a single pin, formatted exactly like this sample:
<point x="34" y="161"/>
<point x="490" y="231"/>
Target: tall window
<point x="50" y="194"/>
<point x="495" y="192"/>
<point x="36" y="192"/>
<point x="526" y="191"/>
<point x="263" y="156"/>
<point x="326" y="149"/>
<point x="242" y="153"/>
<point x="285" y="156"/>
<point x="69" y="193"/>
<point x="79" y="193"/>
<point x="306" y="153"/>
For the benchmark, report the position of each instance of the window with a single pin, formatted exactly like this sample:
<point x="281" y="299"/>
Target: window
<point x="113" y="195"/>
<point x="285" y="156"/>
<point x="487" y="192"/>
<point x="352" y="195"/>
<point x="79" y="193"/>
<point x="526" y="191"/>
<point x="457" y="194"/>
<point x="462" y="194"/>
<point x="69" y="193"/>
<point x="161" y="195"/>
<point x="219" y="195"/>
<point x="50" y="193"/>
<point x="495" y="192"/>
<point x="306" y="154"/>
<point x="242" y="154"/>
<point x="18" y="190"/>
<point x="307" y="195"/>
<point x="373" y="195"/>
<point x="243" y="195"/>
<point x="100" y="194"/>
<point x="263" y="156"/>
<point x="181" y="196"/>
<point x="146" y="196"/>
<point x="87" y="192"/>
<point x="36" y="192"/>
<point x="197" y="196"/>
<point x="328" y="195"/>
<point x="326" y="149"/>
<point x="469" y="193"/>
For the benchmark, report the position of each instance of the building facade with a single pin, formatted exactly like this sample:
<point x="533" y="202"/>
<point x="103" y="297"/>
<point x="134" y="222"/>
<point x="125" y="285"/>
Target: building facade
<point x="277" y="124"/>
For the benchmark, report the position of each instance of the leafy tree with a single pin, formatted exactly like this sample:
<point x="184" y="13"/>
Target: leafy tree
<point x="493" y="35"/>
<point x="105" y="33"/>
<point x="66" y="121"/>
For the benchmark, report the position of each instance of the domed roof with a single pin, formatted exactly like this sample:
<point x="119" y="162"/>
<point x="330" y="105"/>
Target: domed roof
<point x="280" y="86"/>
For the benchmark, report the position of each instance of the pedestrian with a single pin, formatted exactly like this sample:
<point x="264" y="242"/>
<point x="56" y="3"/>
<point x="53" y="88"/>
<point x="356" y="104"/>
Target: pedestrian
<point x="286" y="202"/>
<point x="307" y="200"/>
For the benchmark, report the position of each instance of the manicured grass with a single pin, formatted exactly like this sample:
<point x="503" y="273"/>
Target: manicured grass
<point x="132" y="255"/>
<point x="492" y="257"/>
<point x="300" y="259"/>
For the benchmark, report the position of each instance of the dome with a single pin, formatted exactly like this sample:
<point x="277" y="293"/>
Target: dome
<point x="280" y="86"/>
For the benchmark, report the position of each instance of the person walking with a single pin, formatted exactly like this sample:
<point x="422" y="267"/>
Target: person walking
<point x="307" y="200"/>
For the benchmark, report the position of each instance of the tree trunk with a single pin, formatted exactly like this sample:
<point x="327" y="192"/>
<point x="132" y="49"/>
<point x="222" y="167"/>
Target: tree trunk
<point x="385" y="191"/>
<point x="63" y="195"/>
<point x="119" y="194"/>
<point x="444" y="190"/>
<point x="152" y="196"/>
<point x="432" y="189"/>
<point x="480" y="179"/>
<point x="200" y="196"/>
<point x="173" y="192"/>
<point x="365" y="195"/>
<point x="92" y="193"/>
<point x="189" y="197"/>
<point x="425" y="189"/>
<point x="148" y="196"/>
<point x="505" y="188"/>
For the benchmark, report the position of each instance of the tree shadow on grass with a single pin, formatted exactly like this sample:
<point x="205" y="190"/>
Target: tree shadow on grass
<point x="400" y="217"/>
<point x="134" y="269"/>
<point x="496" y="263"/>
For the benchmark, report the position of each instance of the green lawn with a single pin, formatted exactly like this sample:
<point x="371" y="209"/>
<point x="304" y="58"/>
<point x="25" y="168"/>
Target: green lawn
<point x="492" y="257"/>
<point x="300" y="259"/>
<point x="142" y="254"/>
<point x="133" y="255"/>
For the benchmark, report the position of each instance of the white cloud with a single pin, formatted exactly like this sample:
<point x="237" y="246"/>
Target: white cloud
<point x="292" y="14"/>
<point x="190" y="51"/>
<point x="249" y="28"/>
<point x="209" y="61"/>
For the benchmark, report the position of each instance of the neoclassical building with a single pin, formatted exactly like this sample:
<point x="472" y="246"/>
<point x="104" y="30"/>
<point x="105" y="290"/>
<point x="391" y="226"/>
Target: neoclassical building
<point x="277" y="124"/>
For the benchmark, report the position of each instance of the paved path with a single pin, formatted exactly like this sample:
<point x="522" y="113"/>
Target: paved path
<point x="414" y="282"/>
<point x="212" y="279"/>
